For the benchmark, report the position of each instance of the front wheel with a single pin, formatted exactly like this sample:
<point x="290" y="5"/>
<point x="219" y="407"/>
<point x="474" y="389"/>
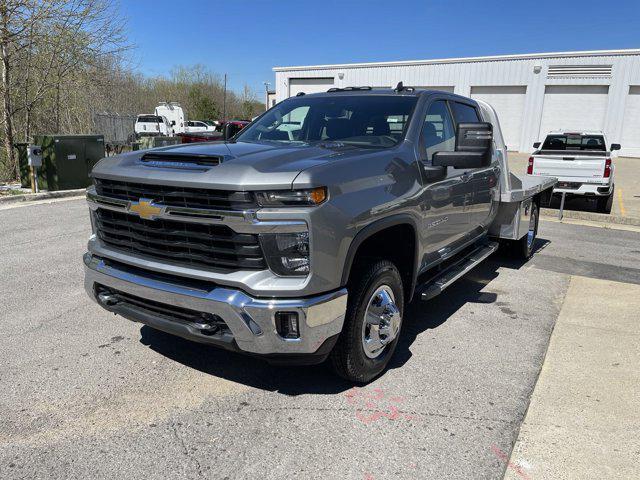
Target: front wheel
<point x="372" y="323"/>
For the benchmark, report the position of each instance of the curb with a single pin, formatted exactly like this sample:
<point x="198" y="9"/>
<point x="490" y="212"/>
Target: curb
<point x="593" y="217"/>
<point x="30" y="197"/>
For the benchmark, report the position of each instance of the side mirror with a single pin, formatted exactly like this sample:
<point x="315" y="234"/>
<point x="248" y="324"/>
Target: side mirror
<point x="230" y="130"/>
<point x="615" y="146"/>
<point x="536" y="145"/>
<point x="473" y="147"/>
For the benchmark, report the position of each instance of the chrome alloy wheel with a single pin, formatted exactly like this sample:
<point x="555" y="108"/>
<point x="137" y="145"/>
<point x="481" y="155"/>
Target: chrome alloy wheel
<point x="381" y="322"/>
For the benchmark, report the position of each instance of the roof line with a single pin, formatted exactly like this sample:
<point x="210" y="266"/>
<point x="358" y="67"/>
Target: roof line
<point x="630" y="51"/>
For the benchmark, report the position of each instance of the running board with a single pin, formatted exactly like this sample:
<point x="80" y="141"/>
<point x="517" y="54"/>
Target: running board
<point x="436" y="285"/>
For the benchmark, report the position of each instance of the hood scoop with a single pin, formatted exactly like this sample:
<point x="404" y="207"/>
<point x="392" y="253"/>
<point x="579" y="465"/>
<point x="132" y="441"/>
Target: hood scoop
<point x="193" y="161"/>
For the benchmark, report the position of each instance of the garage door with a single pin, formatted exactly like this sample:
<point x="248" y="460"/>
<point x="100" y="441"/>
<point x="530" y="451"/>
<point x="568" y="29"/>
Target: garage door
<point x="509" y="103"/>
<point x="574" y="107"/>
<point x="630" y="138"/>
<point x="449" y="89"/>
<point x="309" y="85"/>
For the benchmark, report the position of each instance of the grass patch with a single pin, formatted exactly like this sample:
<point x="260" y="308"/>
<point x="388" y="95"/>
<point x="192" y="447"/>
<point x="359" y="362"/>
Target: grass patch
<point x="13" y="191"/>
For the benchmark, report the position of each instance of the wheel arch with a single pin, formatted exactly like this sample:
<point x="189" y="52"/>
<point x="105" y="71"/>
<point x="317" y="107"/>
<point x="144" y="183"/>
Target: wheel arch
<point x="379" y="230"/>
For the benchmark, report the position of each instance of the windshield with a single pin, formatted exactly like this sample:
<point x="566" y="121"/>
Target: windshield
<point x="575" y="141"/>
<point x="360" y="120"/>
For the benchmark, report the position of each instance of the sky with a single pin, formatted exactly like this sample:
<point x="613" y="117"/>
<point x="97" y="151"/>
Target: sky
<point x="247" y="38"/>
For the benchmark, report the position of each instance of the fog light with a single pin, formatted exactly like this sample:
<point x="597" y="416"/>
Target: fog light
<point x="287" y="324"/>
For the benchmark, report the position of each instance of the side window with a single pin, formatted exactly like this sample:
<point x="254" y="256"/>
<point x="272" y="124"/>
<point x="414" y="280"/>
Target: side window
<point x="438" y="132"/>
<point x="464" y="113"/>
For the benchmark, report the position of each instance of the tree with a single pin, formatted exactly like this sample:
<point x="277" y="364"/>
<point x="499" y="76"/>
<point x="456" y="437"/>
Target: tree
<point x="50" y="42"/>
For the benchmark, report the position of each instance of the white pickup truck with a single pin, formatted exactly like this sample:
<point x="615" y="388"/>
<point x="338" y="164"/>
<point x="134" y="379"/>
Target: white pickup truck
<point x="580" y="161"/>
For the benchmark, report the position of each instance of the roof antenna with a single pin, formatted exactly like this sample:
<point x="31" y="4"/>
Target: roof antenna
<point x="399" y="87"/>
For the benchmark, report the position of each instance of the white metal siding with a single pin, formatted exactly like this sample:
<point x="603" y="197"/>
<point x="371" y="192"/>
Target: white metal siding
<point x="531" y="71"/>
<point x="573" y="107"/>
<point x="309" y="85"/>
<point x="630" y="138"/>
<point x="508" y="101"/>
<point x="449" y="88"/>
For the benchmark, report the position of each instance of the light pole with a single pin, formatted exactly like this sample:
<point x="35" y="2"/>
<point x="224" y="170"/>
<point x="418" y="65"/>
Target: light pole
<point x="266" y="95"/>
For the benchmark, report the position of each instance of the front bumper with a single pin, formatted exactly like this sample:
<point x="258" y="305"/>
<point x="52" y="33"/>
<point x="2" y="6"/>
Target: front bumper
<point x="251" y="321"/>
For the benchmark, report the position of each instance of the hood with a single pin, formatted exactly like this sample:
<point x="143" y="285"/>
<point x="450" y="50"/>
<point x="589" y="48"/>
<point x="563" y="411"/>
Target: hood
<point x="244" y="166"/>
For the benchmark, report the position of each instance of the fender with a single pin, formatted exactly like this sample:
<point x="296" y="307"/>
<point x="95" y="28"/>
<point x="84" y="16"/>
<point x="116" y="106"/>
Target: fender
<point x="372" y="229"/>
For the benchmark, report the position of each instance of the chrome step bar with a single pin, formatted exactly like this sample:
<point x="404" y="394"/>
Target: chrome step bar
<point x="436" y="285"/>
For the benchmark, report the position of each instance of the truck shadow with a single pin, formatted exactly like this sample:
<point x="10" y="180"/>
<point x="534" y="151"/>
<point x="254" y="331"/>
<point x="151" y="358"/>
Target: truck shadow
<point x="580" y="204"/>
<point x="319" y="379"/>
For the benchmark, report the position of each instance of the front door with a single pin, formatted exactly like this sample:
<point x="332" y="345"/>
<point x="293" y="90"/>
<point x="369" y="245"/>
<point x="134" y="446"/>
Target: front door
<point x="443" y="201"/>
<point x="482" y="181"/>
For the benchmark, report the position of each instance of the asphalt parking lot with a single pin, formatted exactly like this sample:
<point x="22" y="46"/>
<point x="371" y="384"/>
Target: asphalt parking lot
<point x="90" y="395"/>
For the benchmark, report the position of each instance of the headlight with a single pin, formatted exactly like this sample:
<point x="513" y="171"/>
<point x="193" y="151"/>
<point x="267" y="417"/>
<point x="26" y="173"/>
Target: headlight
<point x="287" y="253"/>
<point x="285" y="198"/>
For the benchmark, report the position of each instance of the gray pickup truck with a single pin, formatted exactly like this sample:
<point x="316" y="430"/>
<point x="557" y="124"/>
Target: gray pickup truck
<point x="306" y="234"/>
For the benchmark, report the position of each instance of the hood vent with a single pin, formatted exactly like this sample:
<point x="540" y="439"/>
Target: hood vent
<point x="180" y="160"/>
<point x="569" y="71"/>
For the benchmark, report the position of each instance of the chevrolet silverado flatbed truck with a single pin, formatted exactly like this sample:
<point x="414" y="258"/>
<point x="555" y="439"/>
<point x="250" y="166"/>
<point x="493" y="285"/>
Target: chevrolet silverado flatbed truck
<point x="305" y="235"/>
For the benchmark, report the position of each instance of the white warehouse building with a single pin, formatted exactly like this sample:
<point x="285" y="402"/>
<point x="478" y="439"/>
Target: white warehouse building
<point x="532" y="93"/>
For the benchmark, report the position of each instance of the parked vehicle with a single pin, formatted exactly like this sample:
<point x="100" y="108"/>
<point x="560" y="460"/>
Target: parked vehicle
<point x="201" y="137"/>
<point x="231" y="127"/>
<point x="151" y="125"/>
<point x="300" y="250"/>
<point x="173" y="112"/>
<point x="196" y="126"/>
<point x="580" y="161"/>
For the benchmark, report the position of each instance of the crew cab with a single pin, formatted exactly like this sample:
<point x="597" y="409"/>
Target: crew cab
<point x="307" y="243"/>
<point x="580" y="161"/>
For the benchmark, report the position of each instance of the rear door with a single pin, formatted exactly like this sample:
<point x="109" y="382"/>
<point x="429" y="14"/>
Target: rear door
<point x="478" y="181"/>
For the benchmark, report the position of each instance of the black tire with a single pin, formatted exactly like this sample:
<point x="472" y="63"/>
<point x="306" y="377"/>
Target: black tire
<point x="524" y="246"/>
<point x="348" y="357"/>
<point x="606" y="203"/>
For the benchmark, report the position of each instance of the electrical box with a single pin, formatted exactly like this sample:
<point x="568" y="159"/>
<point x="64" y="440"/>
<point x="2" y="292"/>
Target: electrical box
<point x="34" y="156"/>
<point x="67" y="160"/>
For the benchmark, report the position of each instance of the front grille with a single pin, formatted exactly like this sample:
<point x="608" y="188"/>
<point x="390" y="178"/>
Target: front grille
<point x="176" y="196"/>
<point x="214" y="324"/>
<point x="197" y="245"/>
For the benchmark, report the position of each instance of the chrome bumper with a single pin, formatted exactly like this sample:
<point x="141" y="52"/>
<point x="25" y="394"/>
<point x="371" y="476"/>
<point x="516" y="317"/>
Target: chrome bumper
<point x="250" y="320"/>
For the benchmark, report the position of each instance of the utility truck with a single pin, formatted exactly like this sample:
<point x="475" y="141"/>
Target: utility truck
<point x="581" y="162"/>
<point x="174" y="114"/>
<point x="307" y="244"/>
<point x="151" y="125"/>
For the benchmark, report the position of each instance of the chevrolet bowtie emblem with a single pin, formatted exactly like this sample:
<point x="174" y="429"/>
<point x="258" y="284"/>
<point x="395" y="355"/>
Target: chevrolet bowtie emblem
<point x="145" y="208"/>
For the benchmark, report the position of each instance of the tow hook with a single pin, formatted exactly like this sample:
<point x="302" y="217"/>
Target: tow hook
<point x="107" y="299"/>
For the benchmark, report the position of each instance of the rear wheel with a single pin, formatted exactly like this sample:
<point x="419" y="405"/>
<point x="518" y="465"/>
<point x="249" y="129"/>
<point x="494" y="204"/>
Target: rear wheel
<point x="606" y="203"/>
<point x="372" y="323"/>
<point x="524" y="246"/>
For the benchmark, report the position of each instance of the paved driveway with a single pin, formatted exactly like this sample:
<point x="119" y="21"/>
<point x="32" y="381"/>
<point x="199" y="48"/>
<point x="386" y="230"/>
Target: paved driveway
<point x="86" y="394"/>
